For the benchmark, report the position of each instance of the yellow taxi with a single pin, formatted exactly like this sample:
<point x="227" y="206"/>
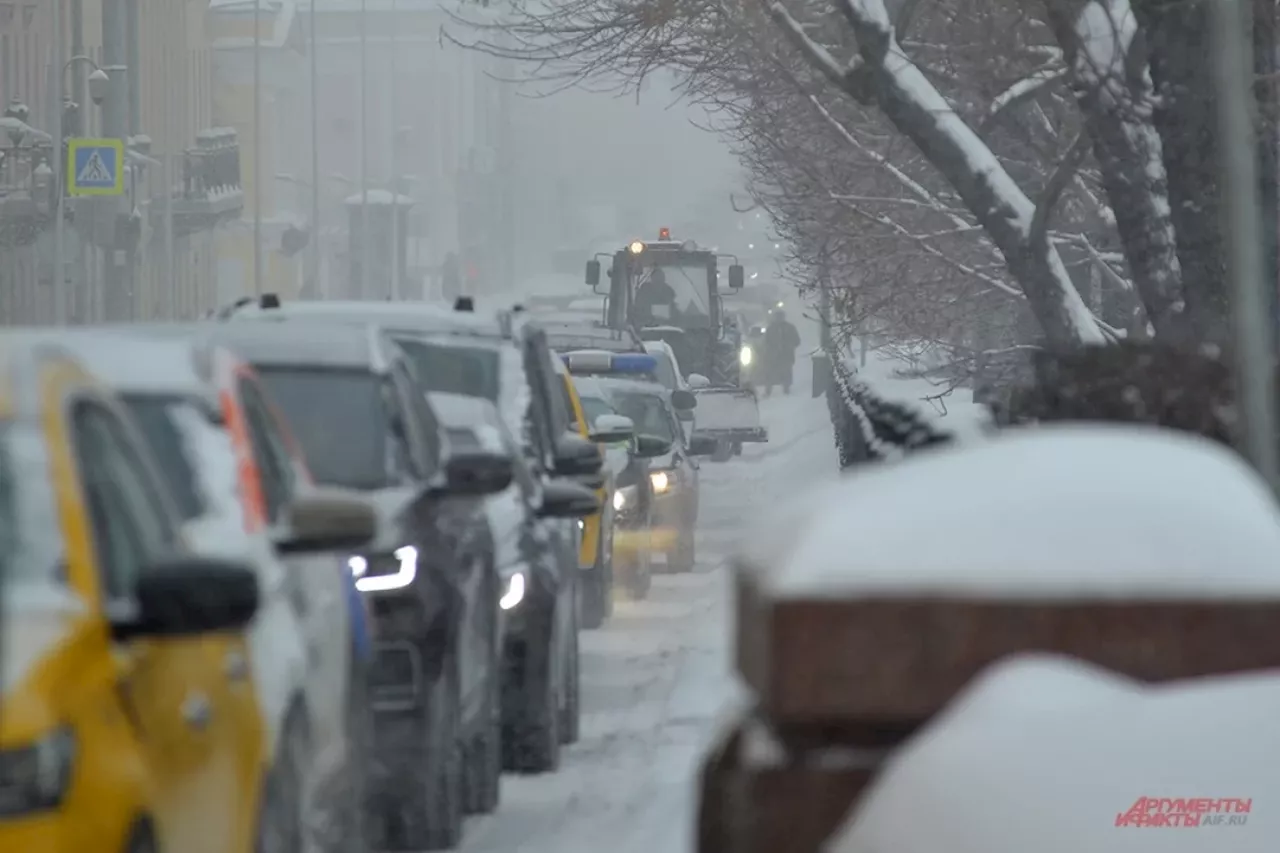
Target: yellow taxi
<point x="128" y="718"/>
<point x="595" y="553"/>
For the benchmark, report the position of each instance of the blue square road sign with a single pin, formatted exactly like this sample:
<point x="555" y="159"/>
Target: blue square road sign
<point x="95" y="167"/>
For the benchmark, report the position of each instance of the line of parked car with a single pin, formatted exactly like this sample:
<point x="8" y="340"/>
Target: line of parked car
<point x="311" y="576"/>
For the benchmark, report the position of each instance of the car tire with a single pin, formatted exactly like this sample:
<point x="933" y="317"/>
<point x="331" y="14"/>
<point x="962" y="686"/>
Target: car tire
<point x="281" y="821"/>
<point x="737" y="448"/>
<point x="534" y="742"/>
<point x="685" y="557"/>
<point x="571" y="708"/>
<point x="723" y="452"/>
<point x="596" y="588"/>
<point x="484" y="762"/>
<point x="430" y="806"/>
<point x="638" y="579"/>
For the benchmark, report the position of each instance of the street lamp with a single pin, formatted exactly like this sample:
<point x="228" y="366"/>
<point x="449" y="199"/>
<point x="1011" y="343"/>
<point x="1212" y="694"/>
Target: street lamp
<point x="99" y="84"/>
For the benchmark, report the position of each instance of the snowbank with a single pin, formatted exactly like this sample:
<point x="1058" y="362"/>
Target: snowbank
<point x="1058" y="757"/>
<point x="1047" y="513"/>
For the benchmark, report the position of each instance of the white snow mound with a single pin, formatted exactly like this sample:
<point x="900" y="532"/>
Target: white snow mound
<point x="1003" y="772"/>
<point x="1050" y="513"/>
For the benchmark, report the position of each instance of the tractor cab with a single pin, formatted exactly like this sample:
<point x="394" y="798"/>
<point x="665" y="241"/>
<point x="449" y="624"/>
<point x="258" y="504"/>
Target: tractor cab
<point x="668" y="290"/>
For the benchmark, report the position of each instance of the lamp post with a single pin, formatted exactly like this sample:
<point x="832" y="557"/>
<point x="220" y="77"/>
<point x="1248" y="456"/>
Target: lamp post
<point x="395" y="162"/>
<point x="1233" y="67"/>
<point x="362" y="284"/>
<point x="98" y="83"/>
<point x="314" y="247"/>
<point x="257" y="148"/>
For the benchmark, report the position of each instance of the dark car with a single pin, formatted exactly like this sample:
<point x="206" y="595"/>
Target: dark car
<point x="351" y="399"/>
<point x="673" y="476"/>
<point x="504" y="358"/>
<point x="541" y="688"/>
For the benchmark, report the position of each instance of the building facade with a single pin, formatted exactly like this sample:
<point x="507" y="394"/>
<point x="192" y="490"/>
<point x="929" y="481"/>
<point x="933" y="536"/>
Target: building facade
<point x="436" y="119"/>
<point x="152" y="252"/>
<point x="278" y="188"/>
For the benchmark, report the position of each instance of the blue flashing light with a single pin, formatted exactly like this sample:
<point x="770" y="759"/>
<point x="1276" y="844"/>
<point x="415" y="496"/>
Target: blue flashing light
<point x="601" y="362"/>
<point x="637" y="363"/>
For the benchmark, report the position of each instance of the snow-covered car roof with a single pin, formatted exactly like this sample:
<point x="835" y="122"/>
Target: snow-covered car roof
<point x="578" y="335"/>
<point x="319" y="344"/>
<point x="606" y="386"/>
<point x="409" y="316"/>
<point x="129" y="359"/>
<point x="1046" y="514"/>
<point x="1052" y="755"/>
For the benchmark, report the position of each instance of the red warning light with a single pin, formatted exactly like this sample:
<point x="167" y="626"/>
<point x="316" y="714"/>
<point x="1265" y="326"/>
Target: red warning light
<point x="664" y="233"/>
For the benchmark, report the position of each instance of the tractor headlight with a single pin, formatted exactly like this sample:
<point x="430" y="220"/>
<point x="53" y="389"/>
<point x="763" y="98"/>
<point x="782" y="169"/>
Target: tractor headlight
<point x="745" y="356"/>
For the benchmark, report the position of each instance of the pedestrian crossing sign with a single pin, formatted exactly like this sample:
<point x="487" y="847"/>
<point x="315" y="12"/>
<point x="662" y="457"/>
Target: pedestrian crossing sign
<point x="95" y="167"/>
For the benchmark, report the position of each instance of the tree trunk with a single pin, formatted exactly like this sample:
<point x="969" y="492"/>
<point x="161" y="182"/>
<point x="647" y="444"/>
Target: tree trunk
<point x="1178" y="46"/>
<point x="1116" y="105"/>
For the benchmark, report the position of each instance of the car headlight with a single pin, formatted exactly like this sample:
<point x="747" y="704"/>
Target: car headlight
<point x="386" y="571"/>
<point x="514" y="592"/>
<point x="619" y="500"/>
<point x="660" y="480"/>
<point x="745" y="356"/>
<point x="35" y="778"/>
<point x="582" y="524"/>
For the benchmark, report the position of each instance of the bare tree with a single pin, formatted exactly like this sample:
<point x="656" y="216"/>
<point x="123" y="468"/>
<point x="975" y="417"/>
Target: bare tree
<point x="960" y="167"/>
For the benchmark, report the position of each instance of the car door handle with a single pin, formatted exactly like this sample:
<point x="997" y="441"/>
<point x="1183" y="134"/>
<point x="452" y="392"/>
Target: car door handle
<point x="236" y="666"/>
<point x="197" y="713"/>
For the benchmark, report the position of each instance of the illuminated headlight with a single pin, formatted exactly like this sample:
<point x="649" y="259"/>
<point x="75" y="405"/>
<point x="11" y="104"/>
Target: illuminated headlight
<point x="582" y="524"/>
<point x="745" y="356"/>
<point x="660" y="480"/>
<point x="514" y="593"/>
<point x="619" y="501"/>
<point x="380" y="574"/>
<point x="35" y="778"/>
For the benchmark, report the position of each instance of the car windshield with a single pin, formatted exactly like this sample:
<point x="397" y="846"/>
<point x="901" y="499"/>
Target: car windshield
<point x="647" y="411"/>
<point x="688" y="282"/>
<point x="337" y="416"/>
<point x="594" y="407"/>
<point x="454" y="368"/>
<point x="155" y="416"/>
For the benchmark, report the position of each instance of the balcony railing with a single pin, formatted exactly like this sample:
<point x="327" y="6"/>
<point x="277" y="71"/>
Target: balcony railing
<point x="27" y="190"/>
<point x="206" y="187"/>
<point x="211" y="170"/>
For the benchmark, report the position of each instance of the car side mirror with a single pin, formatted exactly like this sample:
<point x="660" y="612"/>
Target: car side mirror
<point x="328" y="520"/>
<point x="577" y="457"/>
<point x="702" y="445"/>
<point x="610" y="429"/>
<point x="736" y="277"/>
<point x="475" y="473"/>
<point x="682" y="399"/>
<point x="567" y="499"/>
<point x="649" y="446"/>
<point x="697" y="380"/>
<point x="188" y="595"/>
<point x="593" y="273"/>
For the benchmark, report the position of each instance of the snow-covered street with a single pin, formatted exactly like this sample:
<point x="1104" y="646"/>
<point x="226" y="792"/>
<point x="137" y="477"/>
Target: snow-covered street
<point x="657" y="675"/>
